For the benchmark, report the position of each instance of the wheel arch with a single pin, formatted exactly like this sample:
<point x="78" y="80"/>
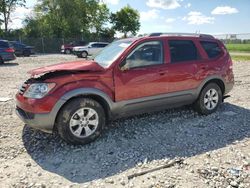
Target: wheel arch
<point x="213" y="79"/>
<point x="95" y="94"/>
<point x="86" y="53"/>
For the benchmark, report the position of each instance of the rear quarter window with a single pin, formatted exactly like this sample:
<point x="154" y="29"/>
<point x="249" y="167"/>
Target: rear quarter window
<point x="212" y="49"/>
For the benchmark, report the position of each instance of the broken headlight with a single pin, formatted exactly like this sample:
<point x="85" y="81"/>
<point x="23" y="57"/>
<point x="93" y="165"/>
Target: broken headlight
<point x="38" y="90"/>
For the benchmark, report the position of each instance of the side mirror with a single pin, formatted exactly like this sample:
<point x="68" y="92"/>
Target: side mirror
<point x="124" y="66"/>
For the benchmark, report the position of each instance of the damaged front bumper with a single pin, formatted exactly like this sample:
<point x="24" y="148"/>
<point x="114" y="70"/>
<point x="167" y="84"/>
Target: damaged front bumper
<point x="43" y="122"/>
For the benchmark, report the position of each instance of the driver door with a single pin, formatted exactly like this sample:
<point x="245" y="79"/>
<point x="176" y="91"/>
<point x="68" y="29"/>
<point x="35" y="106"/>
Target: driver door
<point x="143" y="73"/>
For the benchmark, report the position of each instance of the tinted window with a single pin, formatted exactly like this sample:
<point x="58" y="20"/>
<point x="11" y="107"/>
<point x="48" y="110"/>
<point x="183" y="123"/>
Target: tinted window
<point x="212" y="48"/>
<point x="98" y="45"/>
<point x="95" y="45"/>
<point x="146" y="54"/>
<point x="103" y="45"/>
<point x="4" y="44"/>
<point x="183" y="50"/>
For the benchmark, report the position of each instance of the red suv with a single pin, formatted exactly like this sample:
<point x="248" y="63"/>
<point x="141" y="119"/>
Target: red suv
<point x="127" y="77"/>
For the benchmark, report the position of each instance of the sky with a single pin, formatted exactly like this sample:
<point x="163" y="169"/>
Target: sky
<point x="205" y="16"/>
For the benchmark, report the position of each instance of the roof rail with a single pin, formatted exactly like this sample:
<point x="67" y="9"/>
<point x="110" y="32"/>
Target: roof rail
<point x="181" y="34"/>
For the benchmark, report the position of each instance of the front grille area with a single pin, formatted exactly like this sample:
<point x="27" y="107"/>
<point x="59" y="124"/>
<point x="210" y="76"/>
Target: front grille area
<point x="26" y="115"/>
<point x="22" y="88"/>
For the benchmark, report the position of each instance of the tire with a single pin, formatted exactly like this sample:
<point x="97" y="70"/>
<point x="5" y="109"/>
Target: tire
<point x="67" y="51"/>
<point x="73" y="121"/>
<point x="209" y="99"/>
<point x="1" y="61"/>
<point x="26" y="53"/>
<point x="84" y="54"/>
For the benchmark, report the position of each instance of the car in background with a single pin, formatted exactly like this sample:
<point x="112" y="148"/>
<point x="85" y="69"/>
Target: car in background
<point x="7" y="53"/>
<point x="22" y="49"/>
<point x="90" y="49"/>
<point x="68" y="48"/>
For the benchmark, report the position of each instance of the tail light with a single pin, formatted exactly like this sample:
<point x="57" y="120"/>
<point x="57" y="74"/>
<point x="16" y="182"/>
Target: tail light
<point x="9" y="50"/>
<point x="230" y="63"/>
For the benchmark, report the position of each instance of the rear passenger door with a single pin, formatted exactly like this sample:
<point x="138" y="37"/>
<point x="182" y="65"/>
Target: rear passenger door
<point x="183" y="66"/>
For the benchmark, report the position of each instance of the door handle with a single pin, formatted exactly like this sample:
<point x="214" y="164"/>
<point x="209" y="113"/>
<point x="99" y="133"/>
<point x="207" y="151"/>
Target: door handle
<point x="162" y="73"/>
<point x="204" y="67"/>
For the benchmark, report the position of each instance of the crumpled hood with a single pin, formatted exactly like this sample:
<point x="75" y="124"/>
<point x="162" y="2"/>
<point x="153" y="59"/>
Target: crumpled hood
<point x="87" y="65"/>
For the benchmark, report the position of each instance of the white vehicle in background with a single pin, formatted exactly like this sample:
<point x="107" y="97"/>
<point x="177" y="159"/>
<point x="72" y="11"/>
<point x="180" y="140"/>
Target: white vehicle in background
<point x="91" y="49"/>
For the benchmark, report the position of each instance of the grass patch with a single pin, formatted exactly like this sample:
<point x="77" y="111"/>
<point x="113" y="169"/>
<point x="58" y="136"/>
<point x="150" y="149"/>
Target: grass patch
<point x="240" y="58"/>
<point x="238" y="47"/>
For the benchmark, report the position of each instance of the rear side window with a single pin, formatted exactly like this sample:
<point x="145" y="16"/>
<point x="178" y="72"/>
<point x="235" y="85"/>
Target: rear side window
<point x="96" y="45"/>
<point x="212" y="48"/>
<point x="183" y="50"/>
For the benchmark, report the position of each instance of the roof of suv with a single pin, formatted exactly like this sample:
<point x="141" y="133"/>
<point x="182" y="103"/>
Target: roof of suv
<point x="181" y="35"/>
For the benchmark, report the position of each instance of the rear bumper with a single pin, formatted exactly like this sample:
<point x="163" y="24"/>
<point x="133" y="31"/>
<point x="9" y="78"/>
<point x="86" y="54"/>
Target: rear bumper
<point x="8" y="57"/>
<point x="228" y="87"/>
<point x="43" y="122"/>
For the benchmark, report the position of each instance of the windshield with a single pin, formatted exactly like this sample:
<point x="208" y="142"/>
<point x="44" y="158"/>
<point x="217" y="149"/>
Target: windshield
<point x="110" y="53"/>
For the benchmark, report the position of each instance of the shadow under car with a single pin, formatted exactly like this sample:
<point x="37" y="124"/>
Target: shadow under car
<point x="167" y="134"/>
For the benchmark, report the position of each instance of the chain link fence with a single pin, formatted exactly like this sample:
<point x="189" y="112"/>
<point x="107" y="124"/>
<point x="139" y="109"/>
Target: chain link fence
<point x="53" y="45"/>
<point x="243" y="38"/>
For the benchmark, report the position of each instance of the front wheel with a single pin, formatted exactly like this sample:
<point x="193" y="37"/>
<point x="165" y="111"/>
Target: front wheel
<point x="84" y="54"/>
<point x="209" y="100"/>
<point x="81" y="121"/>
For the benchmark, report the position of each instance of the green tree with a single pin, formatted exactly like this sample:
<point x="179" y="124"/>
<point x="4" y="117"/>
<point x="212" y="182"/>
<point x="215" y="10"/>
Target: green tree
<point x="126" y="20"/>
<point x="99" y="18"/>
<point x="6" y="7"/>
<point x="64" y="18"/>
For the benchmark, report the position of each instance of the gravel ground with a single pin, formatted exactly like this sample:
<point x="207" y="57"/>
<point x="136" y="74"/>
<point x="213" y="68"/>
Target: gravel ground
<point x="206" y="151"/>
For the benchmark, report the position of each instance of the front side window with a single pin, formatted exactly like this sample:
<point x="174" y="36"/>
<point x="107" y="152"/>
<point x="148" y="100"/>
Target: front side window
<point x="103" y="45"/>
<point x="146" y="54"/>
<point x="183" y="50"/>
<point x="212" y="49"/>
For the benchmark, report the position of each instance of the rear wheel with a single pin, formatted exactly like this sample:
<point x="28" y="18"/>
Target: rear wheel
<point x="26" y="53"/>
<point x="67" y="51"/>
<point x="81" y="121"/>
<point x="209" y="100"/>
